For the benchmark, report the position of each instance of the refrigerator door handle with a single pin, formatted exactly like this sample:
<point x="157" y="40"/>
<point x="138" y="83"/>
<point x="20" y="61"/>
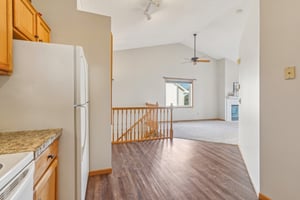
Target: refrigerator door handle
<point x="85" y="137"/>
<point x="81" y="105"/>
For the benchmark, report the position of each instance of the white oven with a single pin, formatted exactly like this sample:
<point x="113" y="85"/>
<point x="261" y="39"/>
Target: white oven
<point x="16" y="181"/>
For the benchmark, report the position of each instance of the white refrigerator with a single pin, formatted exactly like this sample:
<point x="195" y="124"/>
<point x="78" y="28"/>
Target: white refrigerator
<point x="49" y="89"/>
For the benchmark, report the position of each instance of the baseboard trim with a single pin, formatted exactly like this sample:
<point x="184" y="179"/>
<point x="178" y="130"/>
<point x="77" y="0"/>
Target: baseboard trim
<point x="100" y="172"/>
<point x="263" y="197"/>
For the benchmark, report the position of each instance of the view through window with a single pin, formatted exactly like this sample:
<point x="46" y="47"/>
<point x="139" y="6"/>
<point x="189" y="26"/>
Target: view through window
<point x="179" y="92"/>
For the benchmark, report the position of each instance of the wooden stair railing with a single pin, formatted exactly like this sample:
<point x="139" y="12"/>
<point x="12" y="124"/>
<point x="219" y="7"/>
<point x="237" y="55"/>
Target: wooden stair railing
<point x="129" y="131"/>
<point x="134" y="124"/>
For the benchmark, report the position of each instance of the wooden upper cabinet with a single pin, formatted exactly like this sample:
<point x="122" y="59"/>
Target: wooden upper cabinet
<point x="5" y="37"/>
<point x="24" y="20"/>
<point x="42" y="29"/>
<point x="19" y="20"/>
<point x="28" y="23"/>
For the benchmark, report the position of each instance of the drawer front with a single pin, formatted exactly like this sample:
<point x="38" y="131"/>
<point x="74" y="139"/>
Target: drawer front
<point x="44" y="160"/>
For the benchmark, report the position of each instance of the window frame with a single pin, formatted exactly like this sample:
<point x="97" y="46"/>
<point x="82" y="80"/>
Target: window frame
<point x="180" y="80"/>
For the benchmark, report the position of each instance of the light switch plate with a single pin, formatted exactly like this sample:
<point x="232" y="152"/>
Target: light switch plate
<point x="290" y="73"/>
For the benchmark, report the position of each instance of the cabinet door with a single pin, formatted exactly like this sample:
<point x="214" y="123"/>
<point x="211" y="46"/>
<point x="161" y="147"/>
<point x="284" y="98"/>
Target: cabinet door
<point x="46" y="187"/>
<point x="24" y="20"/>
<point x="5" y="36"/>
<point x="42" y="30"/>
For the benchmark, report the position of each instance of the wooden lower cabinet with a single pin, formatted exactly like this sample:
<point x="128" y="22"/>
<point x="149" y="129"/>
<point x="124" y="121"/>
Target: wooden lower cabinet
<point x="46" y="187"/>
<point x="45" y="174"/>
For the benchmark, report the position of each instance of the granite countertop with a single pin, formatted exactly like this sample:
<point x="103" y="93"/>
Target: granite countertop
<point x="28" y="141"/>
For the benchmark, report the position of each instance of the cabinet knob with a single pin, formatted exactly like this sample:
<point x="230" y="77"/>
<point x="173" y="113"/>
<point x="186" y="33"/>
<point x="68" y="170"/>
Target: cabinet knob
<point x="50" y="156"/>
<point x="36" y="36"/>
<point x="40" y="40"/>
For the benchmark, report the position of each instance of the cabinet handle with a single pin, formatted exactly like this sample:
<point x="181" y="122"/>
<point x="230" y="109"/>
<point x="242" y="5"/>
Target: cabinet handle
<point x="40" y="40"/>
<point x="50" y="156"/>
<point x="36" y="36"/>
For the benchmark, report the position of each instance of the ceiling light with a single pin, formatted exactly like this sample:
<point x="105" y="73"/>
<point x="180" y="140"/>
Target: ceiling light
<point x="150" y="3"/>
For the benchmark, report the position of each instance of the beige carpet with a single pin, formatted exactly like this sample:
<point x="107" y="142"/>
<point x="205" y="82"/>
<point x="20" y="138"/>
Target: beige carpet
<point x="213" y="131"/>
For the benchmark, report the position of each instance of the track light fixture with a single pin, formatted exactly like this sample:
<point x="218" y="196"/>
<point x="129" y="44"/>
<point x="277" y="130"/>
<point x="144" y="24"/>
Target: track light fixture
<point x="150" y="3"/>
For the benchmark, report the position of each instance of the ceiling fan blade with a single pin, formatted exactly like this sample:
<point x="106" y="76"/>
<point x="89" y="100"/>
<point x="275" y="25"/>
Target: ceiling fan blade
<point x="203" y="60"/>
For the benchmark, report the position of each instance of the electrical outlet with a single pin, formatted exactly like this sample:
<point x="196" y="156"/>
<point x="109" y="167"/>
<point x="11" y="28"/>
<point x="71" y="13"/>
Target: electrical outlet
<point x="290" y="73"/>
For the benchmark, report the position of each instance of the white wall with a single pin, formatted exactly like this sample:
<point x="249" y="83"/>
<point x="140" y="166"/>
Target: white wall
<point x="221" y="88"/>
<point x="91" y="31"/>
<point x="231" y="75"/>
<point x="138" y="78"/>
<point x="280" y="99"/>
<point x="249" y="93"/>
<point x="228" y="73"/>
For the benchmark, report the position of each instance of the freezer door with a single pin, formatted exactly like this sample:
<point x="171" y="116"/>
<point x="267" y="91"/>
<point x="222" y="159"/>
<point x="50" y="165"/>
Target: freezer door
<point x="81" y="80"/>
<point x="82" y="150"/>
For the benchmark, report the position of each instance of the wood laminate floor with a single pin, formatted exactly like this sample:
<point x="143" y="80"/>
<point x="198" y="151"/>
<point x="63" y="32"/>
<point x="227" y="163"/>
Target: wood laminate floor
<point x="174" y="170"/>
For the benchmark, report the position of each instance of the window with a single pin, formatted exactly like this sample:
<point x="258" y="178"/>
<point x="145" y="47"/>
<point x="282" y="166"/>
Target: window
<point x="179" y="92"/>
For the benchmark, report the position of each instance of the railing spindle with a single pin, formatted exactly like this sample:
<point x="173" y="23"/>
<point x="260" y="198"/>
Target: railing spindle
<point x="126" y="117"/>
<point x="171" y="122"/>
<point x="134" y="128"/>
<point x="113" y="126"/>
<point x="139" y="131"/>
<point x="160" y="124"/>
<point x="117" y="124"/>
<point x="130" y="114"/>
<point x="164" y="122"/>
<point x="167" y="123"/>
<point x="122" y="120"/>
<point x="144" y="113"/>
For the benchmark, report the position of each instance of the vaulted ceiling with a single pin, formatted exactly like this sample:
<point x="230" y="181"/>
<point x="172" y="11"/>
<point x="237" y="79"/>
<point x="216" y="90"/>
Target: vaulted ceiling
<point x="218" y="23"/>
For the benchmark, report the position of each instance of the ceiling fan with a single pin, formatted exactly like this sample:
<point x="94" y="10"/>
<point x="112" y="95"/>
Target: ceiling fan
<point x="196" y="59"/>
